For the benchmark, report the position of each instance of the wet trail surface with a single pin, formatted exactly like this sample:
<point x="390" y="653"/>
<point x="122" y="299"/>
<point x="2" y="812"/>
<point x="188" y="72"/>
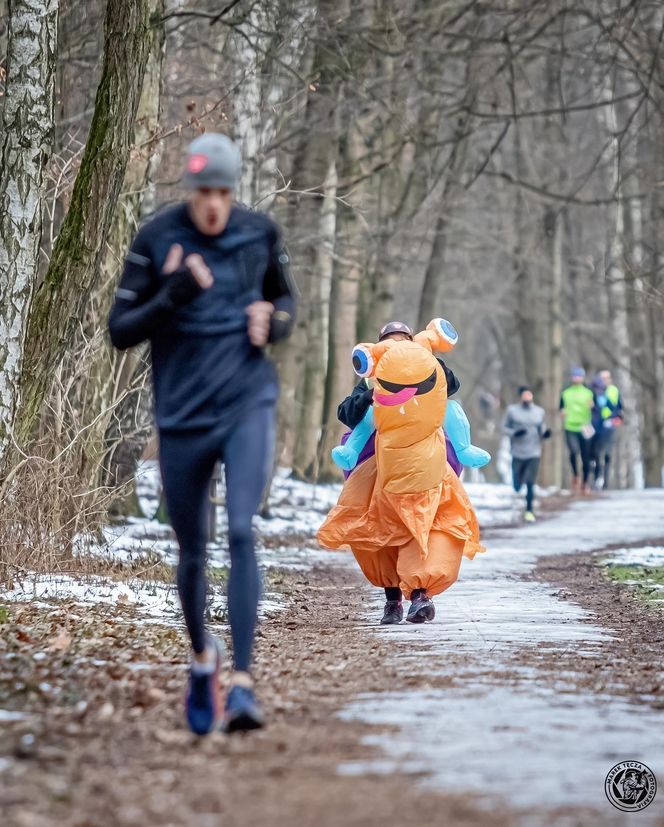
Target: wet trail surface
<point x="522" y="721"/>
<point x="509" y="709"/>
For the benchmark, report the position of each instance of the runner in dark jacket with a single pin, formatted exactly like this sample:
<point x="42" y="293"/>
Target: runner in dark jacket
<point x="206" y="282"/>
<point x="607" y="415"/>
<point x="525" y="425"/>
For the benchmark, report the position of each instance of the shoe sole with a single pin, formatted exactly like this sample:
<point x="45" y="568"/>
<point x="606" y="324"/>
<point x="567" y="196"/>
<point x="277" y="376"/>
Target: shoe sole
<point x="424" y="615"/>
<point x="242" y="723"/>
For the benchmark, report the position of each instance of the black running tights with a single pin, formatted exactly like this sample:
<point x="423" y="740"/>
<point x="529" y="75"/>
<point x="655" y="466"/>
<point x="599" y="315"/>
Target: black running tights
<point x="187" y="461"/>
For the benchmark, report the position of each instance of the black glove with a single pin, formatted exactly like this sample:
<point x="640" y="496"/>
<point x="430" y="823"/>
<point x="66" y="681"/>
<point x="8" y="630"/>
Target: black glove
<point x="181" y="287"/>
<point x="367" y="396"/>
<point x="521" y="432"/>
<point x="546" y="434"/>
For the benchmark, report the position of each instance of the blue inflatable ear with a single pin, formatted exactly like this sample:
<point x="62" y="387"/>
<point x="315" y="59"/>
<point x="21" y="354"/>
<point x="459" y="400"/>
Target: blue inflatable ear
<point x="346" y="456"/>
<point x="457" y="428"/>
<point x="363" y="361"/>
<point x="446" y="330"/>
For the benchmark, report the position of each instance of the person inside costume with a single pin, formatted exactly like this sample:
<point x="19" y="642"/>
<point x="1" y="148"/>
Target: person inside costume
<point x="403" y="511"/>
<point x="356" y="413"/>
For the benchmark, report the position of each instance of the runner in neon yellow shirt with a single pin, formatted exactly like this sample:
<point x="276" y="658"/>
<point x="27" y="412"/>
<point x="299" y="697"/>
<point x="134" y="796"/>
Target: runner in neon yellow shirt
<point x="576" y="405"/>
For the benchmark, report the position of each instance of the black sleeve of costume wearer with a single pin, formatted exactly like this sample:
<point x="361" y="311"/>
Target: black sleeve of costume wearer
<point x="453" y="384"/>
<point x="280" y="290"/>
<point x="141" y="306"/>
<point x="352" y="409"/>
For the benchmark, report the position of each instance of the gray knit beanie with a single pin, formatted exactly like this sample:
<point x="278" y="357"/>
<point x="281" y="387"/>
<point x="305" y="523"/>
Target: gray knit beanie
<point x="213" y="160"/>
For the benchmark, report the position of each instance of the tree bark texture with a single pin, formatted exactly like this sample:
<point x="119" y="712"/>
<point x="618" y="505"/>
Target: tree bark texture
<point x="27" y="130"/>
<point x="74" y="268"/>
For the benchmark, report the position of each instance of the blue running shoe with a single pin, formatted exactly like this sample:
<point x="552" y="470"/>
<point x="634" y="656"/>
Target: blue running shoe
<point x="203" y="702"/>
<point x="242" y="712"/>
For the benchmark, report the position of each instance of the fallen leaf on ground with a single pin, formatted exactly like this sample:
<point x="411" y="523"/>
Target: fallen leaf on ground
<point x="60" y="642"/>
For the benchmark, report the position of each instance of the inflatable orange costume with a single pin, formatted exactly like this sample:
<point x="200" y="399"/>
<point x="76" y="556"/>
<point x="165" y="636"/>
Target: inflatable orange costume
<point x="404" y="513"/>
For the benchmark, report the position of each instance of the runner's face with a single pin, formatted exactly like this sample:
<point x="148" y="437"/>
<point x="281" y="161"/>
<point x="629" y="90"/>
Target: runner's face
<point x="605" y="376"/>
<point x="527" y="396"/>
<point x="210" y="209"/>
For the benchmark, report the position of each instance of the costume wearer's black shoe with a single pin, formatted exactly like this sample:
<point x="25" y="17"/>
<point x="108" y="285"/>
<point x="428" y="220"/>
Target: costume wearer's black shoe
<point x="421" y="609"/>
<point x="393" y="613"/>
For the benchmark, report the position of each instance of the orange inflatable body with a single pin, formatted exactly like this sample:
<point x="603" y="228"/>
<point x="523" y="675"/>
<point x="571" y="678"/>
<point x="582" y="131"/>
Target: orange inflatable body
<point x="404" y="513"/>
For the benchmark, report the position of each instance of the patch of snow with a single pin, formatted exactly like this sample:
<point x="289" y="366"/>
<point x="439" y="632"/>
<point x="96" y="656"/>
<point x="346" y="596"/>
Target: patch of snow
<point x="154" y="601"/>
<point x="648" y="556"/>
<point x="7" y="715"/>
<point x="296" y="511"/>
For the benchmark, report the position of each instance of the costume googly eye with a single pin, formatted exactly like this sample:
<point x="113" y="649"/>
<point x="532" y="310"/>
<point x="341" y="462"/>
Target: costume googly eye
<point x="363" y="361"/>
<point x="446" y="330"/>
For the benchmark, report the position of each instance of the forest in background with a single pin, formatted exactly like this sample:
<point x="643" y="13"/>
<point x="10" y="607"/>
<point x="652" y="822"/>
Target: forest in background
<point x="495" y="163"/>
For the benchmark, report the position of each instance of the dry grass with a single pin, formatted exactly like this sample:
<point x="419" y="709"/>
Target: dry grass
<point x="46" y="511"/>
<point x="58" y="492"/>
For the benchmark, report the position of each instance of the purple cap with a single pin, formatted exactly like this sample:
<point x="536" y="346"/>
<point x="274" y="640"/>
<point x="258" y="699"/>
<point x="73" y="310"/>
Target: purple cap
<point x="395" y="327"/>
<point x="578" y="372"/>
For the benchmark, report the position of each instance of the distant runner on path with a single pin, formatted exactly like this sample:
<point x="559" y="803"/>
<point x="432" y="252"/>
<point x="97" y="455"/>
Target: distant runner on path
<point x="525" y="424"/>
<point x="576" y="406"/>
<point x="206" y="282"/>
<point x="607" y="416"/>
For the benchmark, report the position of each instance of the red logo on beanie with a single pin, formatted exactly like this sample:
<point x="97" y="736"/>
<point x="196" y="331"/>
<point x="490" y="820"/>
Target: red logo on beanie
<point x="197" y="163"/>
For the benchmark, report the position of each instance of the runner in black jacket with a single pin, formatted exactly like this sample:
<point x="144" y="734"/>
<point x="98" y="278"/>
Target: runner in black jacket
<point x="206" y="282"/>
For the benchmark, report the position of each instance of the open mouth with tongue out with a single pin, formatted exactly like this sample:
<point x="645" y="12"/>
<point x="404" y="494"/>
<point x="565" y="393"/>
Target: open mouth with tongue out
<point x="401" y="393"/>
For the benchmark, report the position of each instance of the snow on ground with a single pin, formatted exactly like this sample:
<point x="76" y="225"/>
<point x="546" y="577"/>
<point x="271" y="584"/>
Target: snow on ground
<point x="285" y="540"/>
<point x="154" y="601"/>
<point x="527" y="741"/>
<point x="643" y="562"/>
<point x="532" y="742"/>
<point x="648" y="556"/>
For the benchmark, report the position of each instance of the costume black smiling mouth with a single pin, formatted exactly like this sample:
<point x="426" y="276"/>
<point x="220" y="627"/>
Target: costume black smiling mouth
<point x="423" y="387"/>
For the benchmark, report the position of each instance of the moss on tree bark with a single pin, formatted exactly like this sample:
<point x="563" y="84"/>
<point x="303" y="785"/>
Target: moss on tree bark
<point x="59" y="303"/>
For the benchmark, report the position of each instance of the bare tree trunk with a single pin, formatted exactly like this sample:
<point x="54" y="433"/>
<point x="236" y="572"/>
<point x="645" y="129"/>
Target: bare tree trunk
<point x="102" y="396"/>
<point x="629" y="467"/>
<point x="552" y="467"/>
<point x="649" y="310"/>
<point x="343" y="319"/>
<point x="27" y="127"/>
<point x="81" y="243"/>
<point x="305" y="459"/>
<point x="434" y="275"/>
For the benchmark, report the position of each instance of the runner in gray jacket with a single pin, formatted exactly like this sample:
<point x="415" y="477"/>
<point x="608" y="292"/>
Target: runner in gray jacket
<point x="525" y="424"/>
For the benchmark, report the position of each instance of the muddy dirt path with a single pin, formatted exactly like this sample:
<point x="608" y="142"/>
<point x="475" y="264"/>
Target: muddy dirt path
<point x="507" y="710"/>
<point x="105" y="745"/>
